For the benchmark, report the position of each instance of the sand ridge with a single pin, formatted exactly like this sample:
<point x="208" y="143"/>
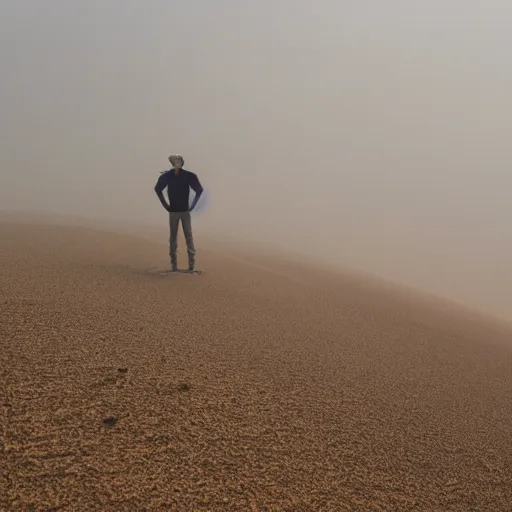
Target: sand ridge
<point x="250" y="387"/>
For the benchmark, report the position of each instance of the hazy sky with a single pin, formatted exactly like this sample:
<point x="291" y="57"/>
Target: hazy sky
<point x="371" y="133"/>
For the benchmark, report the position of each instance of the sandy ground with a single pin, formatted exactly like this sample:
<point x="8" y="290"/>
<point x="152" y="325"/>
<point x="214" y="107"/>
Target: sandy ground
<point x="255" y="386"/>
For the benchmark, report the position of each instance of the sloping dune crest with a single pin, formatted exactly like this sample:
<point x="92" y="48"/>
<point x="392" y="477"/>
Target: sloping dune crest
<point x="255" y="386"/>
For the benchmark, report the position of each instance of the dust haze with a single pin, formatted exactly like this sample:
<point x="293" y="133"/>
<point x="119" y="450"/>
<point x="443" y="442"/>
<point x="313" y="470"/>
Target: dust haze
<point x="369" y="135"/>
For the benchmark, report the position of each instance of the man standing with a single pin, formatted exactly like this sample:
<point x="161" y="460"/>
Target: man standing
<point x="178" y="182"/>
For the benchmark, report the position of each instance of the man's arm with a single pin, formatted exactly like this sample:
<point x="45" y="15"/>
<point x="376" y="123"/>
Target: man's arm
<point x="195" y="185"/>
<point x="159" y="189"/>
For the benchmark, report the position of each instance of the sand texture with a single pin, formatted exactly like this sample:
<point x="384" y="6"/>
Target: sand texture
<point x="256" y="386"/>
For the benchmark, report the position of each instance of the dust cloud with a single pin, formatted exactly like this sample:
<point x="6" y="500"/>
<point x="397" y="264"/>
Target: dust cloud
<point x="363" y="134"/>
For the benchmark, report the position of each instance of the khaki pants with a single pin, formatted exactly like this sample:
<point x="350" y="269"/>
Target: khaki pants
<point x="186" y="222"/>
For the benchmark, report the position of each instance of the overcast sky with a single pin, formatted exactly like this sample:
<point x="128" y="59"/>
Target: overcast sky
<point x="374" y="134"/>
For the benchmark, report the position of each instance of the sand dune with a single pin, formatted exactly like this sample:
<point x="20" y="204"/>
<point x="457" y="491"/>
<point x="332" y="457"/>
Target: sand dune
<point x="258" y="385"/>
